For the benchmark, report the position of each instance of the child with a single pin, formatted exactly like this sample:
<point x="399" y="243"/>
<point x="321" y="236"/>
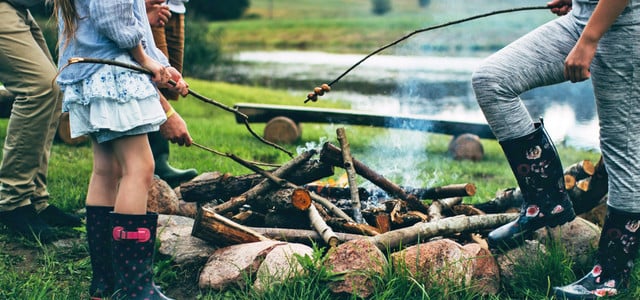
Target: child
<point x="116" y="107"/>
<point x="597" y="39"/>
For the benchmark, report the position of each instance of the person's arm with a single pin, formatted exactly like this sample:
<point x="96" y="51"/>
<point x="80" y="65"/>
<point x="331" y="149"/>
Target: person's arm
<point x="577" y="63"/>
<point x="175" y="128"/>
<point x="158" y="12"/>
<point x="560" y="7"/>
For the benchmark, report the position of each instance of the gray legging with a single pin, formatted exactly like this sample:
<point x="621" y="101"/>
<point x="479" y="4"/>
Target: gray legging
<point x="537" y="59"/>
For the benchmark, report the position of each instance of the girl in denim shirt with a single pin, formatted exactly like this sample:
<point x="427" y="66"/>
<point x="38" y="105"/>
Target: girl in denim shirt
<point x="116" y="107"/>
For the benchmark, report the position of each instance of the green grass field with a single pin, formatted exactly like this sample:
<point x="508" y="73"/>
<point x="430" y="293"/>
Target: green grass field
<point x="31" y="271"/>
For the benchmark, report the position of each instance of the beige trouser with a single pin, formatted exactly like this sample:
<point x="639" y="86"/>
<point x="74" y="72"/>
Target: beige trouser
<point x="27" y="70"/>
<point x="170" y="40"/>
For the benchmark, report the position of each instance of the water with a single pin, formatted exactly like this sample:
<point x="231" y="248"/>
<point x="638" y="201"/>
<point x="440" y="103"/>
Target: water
<point x="435" y="86"/>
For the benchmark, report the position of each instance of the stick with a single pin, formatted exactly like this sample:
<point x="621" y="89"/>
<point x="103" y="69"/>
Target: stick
<point x="351" y="174"/>
<point x="322" y="228"/>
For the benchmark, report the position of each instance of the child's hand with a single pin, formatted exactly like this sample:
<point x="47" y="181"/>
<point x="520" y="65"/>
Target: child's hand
<point x="160" y="73"/>
<point x="181" y="86"/>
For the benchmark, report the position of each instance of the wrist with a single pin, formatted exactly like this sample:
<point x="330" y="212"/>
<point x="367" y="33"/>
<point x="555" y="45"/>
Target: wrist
<point x="170" y="112"/>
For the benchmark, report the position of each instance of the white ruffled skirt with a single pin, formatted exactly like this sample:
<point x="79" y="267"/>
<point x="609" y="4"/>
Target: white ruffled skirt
<point x="112" y="103"/>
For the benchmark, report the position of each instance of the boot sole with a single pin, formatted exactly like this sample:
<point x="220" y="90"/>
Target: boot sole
<point x="519" y="238"/>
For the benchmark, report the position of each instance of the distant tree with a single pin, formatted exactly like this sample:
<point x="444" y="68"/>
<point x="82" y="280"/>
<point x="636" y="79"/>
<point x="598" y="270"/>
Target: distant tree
<point x="381" y="7"/>
<point x="424" y="3"/>
<point x="214" y="10"/>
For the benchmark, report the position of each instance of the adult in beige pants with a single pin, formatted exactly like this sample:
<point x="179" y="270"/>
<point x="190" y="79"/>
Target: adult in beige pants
<point x="167" y="25"/>
<point x="27" y="71"/>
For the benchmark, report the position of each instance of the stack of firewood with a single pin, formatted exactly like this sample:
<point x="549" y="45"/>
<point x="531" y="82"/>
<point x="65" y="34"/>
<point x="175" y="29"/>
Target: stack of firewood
<point x="284" y="203"/>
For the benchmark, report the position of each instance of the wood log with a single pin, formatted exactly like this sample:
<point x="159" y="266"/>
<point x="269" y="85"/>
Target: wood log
<point x="321" y="227"/>
<point x="227" y="186"/>
<point x="580" y="170"/>
<point x="408" y="219"/>
<point x="590" y="191"/>
<point x="342" y="225"/>
<point x="214" y="228"/>
<point x="505" y="199"/>
<point x="351" y="174"/>
<point x="437" y="207"/>
<point x="283" y="199"/>
<point x="466" y="146"/>
<point x="249" y="218"/>
<point x="302" y="236"/>
<point x="447" y="226"/>
<point x="332" y="155"/>
<point x="235" y="202"/>
<point x="441" y="192"/>
<point x="281" y="130"/>
<point x="569" y="181"/>
<point x="382" y="221"/>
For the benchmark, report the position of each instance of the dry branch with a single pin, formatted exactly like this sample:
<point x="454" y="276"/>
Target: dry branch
<point x="318" y="223"/>
<point x="303" y="236"/>
<point x="351" y="174"/>
<point x="441" y="192"/>
<point x="448" y="226"/>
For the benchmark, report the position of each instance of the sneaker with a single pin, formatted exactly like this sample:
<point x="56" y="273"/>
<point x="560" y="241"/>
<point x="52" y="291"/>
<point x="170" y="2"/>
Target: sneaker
<point x="25" y="221"/>
<point x="57" y="218"/>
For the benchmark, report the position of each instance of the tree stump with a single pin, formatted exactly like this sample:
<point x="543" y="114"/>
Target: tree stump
<point x="282" y="130"/>
<point x="64" y="132"/>
<point x="466" y="146"/>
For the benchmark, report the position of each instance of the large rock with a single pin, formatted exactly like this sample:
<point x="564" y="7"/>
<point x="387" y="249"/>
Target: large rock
<point x="521" y="256"/>
<point x="579" y="237"/>
<point x="445" y="262"/>
<point x="231" y="266"/>
<point x="281" y="264"/>
<point x="162" y="198"/>
<point x="358" y="259"/>
<point x="187" y="252"/>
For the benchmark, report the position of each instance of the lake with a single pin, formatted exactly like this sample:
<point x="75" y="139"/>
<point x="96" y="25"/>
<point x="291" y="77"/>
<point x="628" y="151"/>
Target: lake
<point x="435" y="86"/>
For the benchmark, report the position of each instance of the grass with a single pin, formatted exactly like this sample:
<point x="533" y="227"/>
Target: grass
<point x="32" y="271"/>
<point x="63" y="272"/>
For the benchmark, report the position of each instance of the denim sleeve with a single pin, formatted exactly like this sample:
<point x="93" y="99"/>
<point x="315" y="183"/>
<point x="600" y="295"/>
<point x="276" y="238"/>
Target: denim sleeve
<point x="116" y="20"/>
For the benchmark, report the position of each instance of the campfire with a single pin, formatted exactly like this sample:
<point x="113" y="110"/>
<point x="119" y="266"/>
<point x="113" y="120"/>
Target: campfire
<point x="295" y="204"/>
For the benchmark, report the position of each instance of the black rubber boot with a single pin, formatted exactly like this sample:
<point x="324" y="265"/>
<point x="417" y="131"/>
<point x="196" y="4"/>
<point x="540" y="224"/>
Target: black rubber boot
<point x="537" y="168"/>
<point x="133" y="241"/>
<point x="160" y="149"/>
<point x="617" y="250"/>
<point x="99" y="240"/>
<point x="58" y="218"/>
<point x="25" y="221"/>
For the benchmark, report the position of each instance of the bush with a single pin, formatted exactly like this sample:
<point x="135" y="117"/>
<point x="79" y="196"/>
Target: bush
<point x="214" y="10"/>
<point x="381" y="7"/>
<point x="202" y="48"/>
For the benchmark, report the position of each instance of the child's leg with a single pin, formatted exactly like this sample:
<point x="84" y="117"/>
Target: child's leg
<point x="133" y="154"/>
<point x="106" y="173"/>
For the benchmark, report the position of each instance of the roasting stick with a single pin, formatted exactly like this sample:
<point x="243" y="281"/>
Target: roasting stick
<point x="326" y="87"/>
<point x="244" y="117"/>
